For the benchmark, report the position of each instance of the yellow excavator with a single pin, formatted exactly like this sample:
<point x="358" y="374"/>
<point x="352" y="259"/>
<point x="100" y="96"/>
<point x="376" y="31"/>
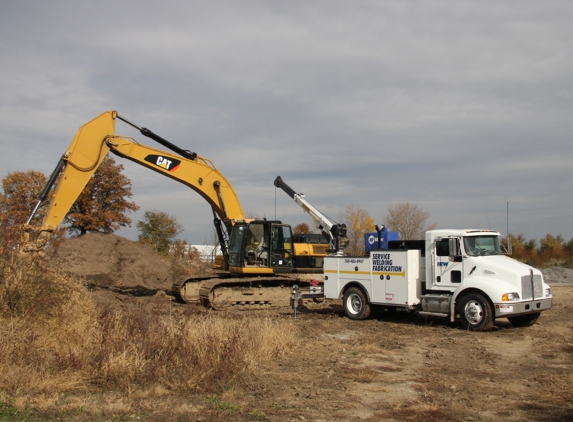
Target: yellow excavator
<point x="260" y="261"/>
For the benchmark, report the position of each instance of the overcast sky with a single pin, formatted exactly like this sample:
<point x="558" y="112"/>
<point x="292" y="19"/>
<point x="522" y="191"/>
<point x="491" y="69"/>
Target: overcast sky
<point x="458" y="107"/>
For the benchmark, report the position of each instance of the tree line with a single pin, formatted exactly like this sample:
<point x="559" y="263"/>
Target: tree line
<point x="410" y="221"/>
<point x="551" y="250"/>
<point x="103" y="206"/>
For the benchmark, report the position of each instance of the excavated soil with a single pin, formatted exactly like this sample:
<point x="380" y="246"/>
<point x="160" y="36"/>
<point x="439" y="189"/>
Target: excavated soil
<point x="113" y="262"/>
<point x="118" y="271"/>
<point x="394" y="367"/>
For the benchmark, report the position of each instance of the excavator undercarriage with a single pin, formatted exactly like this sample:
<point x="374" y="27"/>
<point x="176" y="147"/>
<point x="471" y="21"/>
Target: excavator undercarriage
<point x="227" y="291"/>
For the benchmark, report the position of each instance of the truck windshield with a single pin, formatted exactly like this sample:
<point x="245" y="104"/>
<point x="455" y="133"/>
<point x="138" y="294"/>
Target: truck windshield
<point x="482" y="245"/>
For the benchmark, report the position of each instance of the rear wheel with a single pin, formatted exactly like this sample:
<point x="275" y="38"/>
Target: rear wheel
<point x="475" y="312"/>
<point x="356" y="304"/>
<point x="524" y="320"/>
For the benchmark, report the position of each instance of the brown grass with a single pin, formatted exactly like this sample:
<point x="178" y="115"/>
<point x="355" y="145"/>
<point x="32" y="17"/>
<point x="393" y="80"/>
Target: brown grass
<point x="54" y="339"/>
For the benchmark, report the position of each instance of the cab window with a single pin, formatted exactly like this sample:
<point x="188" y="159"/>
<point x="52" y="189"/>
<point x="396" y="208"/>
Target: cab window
<point x="443" y="247"/>
<point x="482" y="245"/>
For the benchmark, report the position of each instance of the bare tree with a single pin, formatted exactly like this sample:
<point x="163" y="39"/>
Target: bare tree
<point x="408" y="220"/>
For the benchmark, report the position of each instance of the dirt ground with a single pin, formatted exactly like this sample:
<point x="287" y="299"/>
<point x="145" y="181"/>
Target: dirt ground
<point x="394" y="367"/>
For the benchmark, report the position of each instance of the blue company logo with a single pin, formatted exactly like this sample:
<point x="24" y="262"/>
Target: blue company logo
<point x="372" y="239"/>
<point x="442" y="264"/>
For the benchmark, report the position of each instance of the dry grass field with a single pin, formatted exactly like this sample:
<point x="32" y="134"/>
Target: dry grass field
<point x="72" y="353"/>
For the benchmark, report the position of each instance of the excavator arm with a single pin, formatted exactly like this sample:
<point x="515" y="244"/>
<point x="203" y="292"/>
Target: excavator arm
<point x="96" y="139"/>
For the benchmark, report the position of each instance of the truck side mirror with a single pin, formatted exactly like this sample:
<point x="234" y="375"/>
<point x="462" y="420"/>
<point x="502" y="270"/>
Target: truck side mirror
<point x="506" y="245"/>
<point x="455" y="252"/>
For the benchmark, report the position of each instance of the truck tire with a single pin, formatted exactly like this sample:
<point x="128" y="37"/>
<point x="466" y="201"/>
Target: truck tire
<point x="476" y="313"/>
<point x="356" y="304"/>
<point x="524" y="320"/>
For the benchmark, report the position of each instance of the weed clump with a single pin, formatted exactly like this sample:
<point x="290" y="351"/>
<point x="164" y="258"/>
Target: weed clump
<point x="54" y="338"/>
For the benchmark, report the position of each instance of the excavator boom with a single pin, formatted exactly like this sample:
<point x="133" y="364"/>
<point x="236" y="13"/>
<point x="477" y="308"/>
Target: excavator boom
<point x="97" y="138"/>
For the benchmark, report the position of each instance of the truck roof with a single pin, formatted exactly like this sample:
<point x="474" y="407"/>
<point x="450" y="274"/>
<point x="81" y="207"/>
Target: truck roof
<point x="461" y="232"/>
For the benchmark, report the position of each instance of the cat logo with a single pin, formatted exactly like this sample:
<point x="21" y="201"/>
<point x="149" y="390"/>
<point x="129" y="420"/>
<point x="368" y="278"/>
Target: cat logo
<point x="169" y="164"/>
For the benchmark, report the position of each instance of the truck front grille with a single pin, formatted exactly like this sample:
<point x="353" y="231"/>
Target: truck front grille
<point x="531" y="290"/>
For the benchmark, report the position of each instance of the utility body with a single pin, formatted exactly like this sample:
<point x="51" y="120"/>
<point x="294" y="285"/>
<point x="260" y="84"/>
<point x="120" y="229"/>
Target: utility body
<point x="462" y="275"/>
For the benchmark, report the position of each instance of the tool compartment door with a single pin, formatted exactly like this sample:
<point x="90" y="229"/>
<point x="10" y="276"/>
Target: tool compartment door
<point x="339" y="271"/>
<point x="398" y="272"/>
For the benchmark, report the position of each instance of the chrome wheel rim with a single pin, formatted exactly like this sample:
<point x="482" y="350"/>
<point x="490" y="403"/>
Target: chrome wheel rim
<point x="354" y="303"/>
<point x="473" y="312"/>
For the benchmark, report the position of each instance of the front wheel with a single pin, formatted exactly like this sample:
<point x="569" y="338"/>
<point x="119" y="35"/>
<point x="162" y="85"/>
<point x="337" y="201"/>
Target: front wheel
<point x="476" y="313"/>
<point x="524" y="320"/>
<point x="356" y="304"/>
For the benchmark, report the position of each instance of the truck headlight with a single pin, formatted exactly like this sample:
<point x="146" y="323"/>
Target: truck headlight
<point x="548" y="293"/>
<point x="510" y="297"/>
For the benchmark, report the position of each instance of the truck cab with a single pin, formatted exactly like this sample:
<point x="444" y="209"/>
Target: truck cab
<point x="470" y="263"/>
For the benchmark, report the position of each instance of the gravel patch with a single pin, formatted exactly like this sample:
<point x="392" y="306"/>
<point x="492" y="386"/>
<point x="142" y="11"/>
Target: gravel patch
<point x="558" y="275"/>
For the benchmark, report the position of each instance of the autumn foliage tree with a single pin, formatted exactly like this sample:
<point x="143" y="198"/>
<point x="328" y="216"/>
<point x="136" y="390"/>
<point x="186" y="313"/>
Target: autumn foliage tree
<point x="408" y="220"/>
<point x="358" y="222"/>
<point x="301" y="228"/>
<point x="20" y="192"/>
<point x="522" y="249"/>
<point x="553" y="248"/>
<point x="102" y="206"/>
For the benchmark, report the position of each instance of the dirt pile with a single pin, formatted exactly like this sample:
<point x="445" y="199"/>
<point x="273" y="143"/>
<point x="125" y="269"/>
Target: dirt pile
<point x="114" y="263"/>
<point x="558" y="275"/>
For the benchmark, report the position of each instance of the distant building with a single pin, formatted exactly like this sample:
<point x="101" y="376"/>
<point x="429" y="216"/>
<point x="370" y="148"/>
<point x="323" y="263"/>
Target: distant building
<point x="207" y="253"/>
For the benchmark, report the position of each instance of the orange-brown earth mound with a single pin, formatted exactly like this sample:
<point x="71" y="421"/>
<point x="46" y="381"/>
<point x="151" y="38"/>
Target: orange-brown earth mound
<point x="115" y="263"/>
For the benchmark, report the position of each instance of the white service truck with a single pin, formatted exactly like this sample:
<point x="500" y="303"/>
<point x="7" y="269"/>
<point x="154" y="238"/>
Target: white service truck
<point x="462" y="275"/>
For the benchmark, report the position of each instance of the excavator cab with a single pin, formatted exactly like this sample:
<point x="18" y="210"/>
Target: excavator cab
<point x="261" y="246"/>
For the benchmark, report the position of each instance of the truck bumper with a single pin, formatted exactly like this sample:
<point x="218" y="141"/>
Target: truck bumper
<point x="521" y="308"/>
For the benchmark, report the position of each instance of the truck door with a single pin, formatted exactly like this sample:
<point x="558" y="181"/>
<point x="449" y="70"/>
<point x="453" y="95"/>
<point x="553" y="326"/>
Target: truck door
<point x="447" y="272"/>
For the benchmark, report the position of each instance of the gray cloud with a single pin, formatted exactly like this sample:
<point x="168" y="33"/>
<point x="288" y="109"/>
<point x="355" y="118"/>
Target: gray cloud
<point x="459" y="107"/>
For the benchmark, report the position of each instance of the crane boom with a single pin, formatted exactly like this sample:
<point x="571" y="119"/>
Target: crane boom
<point x="335" y="233"/>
